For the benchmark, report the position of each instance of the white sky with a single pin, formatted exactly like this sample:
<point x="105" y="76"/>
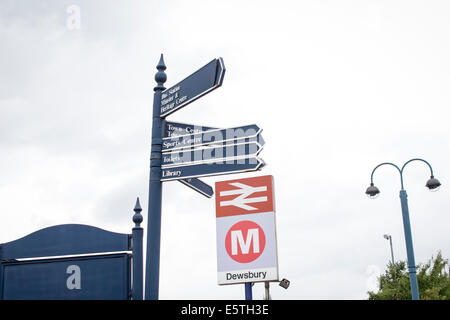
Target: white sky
<point x="337" y="86"/>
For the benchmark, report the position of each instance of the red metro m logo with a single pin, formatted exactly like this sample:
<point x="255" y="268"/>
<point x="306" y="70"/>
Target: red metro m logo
<point x="245" y="241"/>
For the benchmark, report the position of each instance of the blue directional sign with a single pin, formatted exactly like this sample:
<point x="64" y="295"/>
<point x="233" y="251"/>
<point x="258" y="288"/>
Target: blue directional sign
<point x="210" y="154"/>
<point x="193" y="87"/>
<point x="173" y="129"/>
<point x="199" y="186"/>
<point x="211" y="169"/>
<point x="210" y="137"/>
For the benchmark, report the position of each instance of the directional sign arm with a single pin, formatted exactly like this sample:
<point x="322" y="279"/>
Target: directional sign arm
<point x="211" y="169"/>
<point x="210" y="137"/>
<point x="210" y="154"/>
<point x="193" y="87"/>
<point x="199" y="186"/>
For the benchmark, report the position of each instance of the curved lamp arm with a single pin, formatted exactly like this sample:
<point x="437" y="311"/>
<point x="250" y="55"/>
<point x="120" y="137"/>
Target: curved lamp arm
<point x="429" y="166"/>
<point x="381" y="164"/>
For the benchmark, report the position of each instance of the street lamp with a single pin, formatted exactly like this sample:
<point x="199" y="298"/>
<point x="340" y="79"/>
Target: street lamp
<point x="372" y="192"/>
<point x="389" y="237"/>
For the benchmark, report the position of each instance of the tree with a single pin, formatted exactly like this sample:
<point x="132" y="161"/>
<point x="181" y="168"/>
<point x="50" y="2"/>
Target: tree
<point x="432" y="277"/>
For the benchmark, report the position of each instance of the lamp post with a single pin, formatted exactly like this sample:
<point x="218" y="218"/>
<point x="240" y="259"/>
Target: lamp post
<point x="389" y="237"/>
<point x="432" y="184"/>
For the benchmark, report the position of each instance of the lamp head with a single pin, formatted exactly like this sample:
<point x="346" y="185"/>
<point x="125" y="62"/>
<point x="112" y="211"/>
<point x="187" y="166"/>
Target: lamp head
<point x="433" y="184"/>
<point x="386" y="236"/>
<point x="372" y="191"/>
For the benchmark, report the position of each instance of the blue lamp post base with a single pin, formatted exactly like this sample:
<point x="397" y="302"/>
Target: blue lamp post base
<point x="409" y="246"/>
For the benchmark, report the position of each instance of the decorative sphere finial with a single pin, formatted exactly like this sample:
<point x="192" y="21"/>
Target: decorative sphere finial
<point x="137" y="217"/>
<point x="160" y="76"/>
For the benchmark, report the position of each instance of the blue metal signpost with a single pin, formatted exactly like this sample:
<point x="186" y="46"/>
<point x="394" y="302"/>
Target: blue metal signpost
<point x="185" y="152"/>
<point x="155" y="191"/>
<point x="248" y="291"/>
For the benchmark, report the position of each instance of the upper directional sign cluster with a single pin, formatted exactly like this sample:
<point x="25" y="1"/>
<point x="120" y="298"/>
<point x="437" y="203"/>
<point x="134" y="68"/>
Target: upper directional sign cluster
<point x="191" y="151"/>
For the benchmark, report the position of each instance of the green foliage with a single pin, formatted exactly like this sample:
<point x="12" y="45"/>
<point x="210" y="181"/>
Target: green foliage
<point x="432" y="277"/>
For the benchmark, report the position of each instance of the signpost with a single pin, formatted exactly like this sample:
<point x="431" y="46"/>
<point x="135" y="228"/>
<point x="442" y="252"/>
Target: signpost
<point x="185" y="152"/>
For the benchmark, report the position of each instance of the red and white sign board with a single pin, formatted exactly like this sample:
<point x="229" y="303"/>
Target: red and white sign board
<point x="246" y="233"/>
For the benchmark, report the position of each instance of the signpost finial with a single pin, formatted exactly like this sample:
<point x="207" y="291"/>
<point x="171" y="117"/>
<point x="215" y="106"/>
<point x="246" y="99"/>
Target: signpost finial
<point x="160" y="76"/>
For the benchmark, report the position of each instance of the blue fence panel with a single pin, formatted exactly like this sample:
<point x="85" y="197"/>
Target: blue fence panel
<point x="104" y="277"/>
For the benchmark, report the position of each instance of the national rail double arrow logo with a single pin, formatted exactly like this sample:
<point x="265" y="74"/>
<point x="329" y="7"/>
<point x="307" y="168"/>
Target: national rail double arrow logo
<point x="243" y="199"/>
<point x="244" y="196"/>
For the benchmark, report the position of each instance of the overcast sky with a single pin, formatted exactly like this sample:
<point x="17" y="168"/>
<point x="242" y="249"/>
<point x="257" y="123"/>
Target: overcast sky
<point x="337" y="87"/>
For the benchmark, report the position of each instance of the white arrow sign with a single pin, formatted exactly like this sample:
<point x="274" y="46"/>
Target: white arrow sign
<point x="244" y="191"/>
